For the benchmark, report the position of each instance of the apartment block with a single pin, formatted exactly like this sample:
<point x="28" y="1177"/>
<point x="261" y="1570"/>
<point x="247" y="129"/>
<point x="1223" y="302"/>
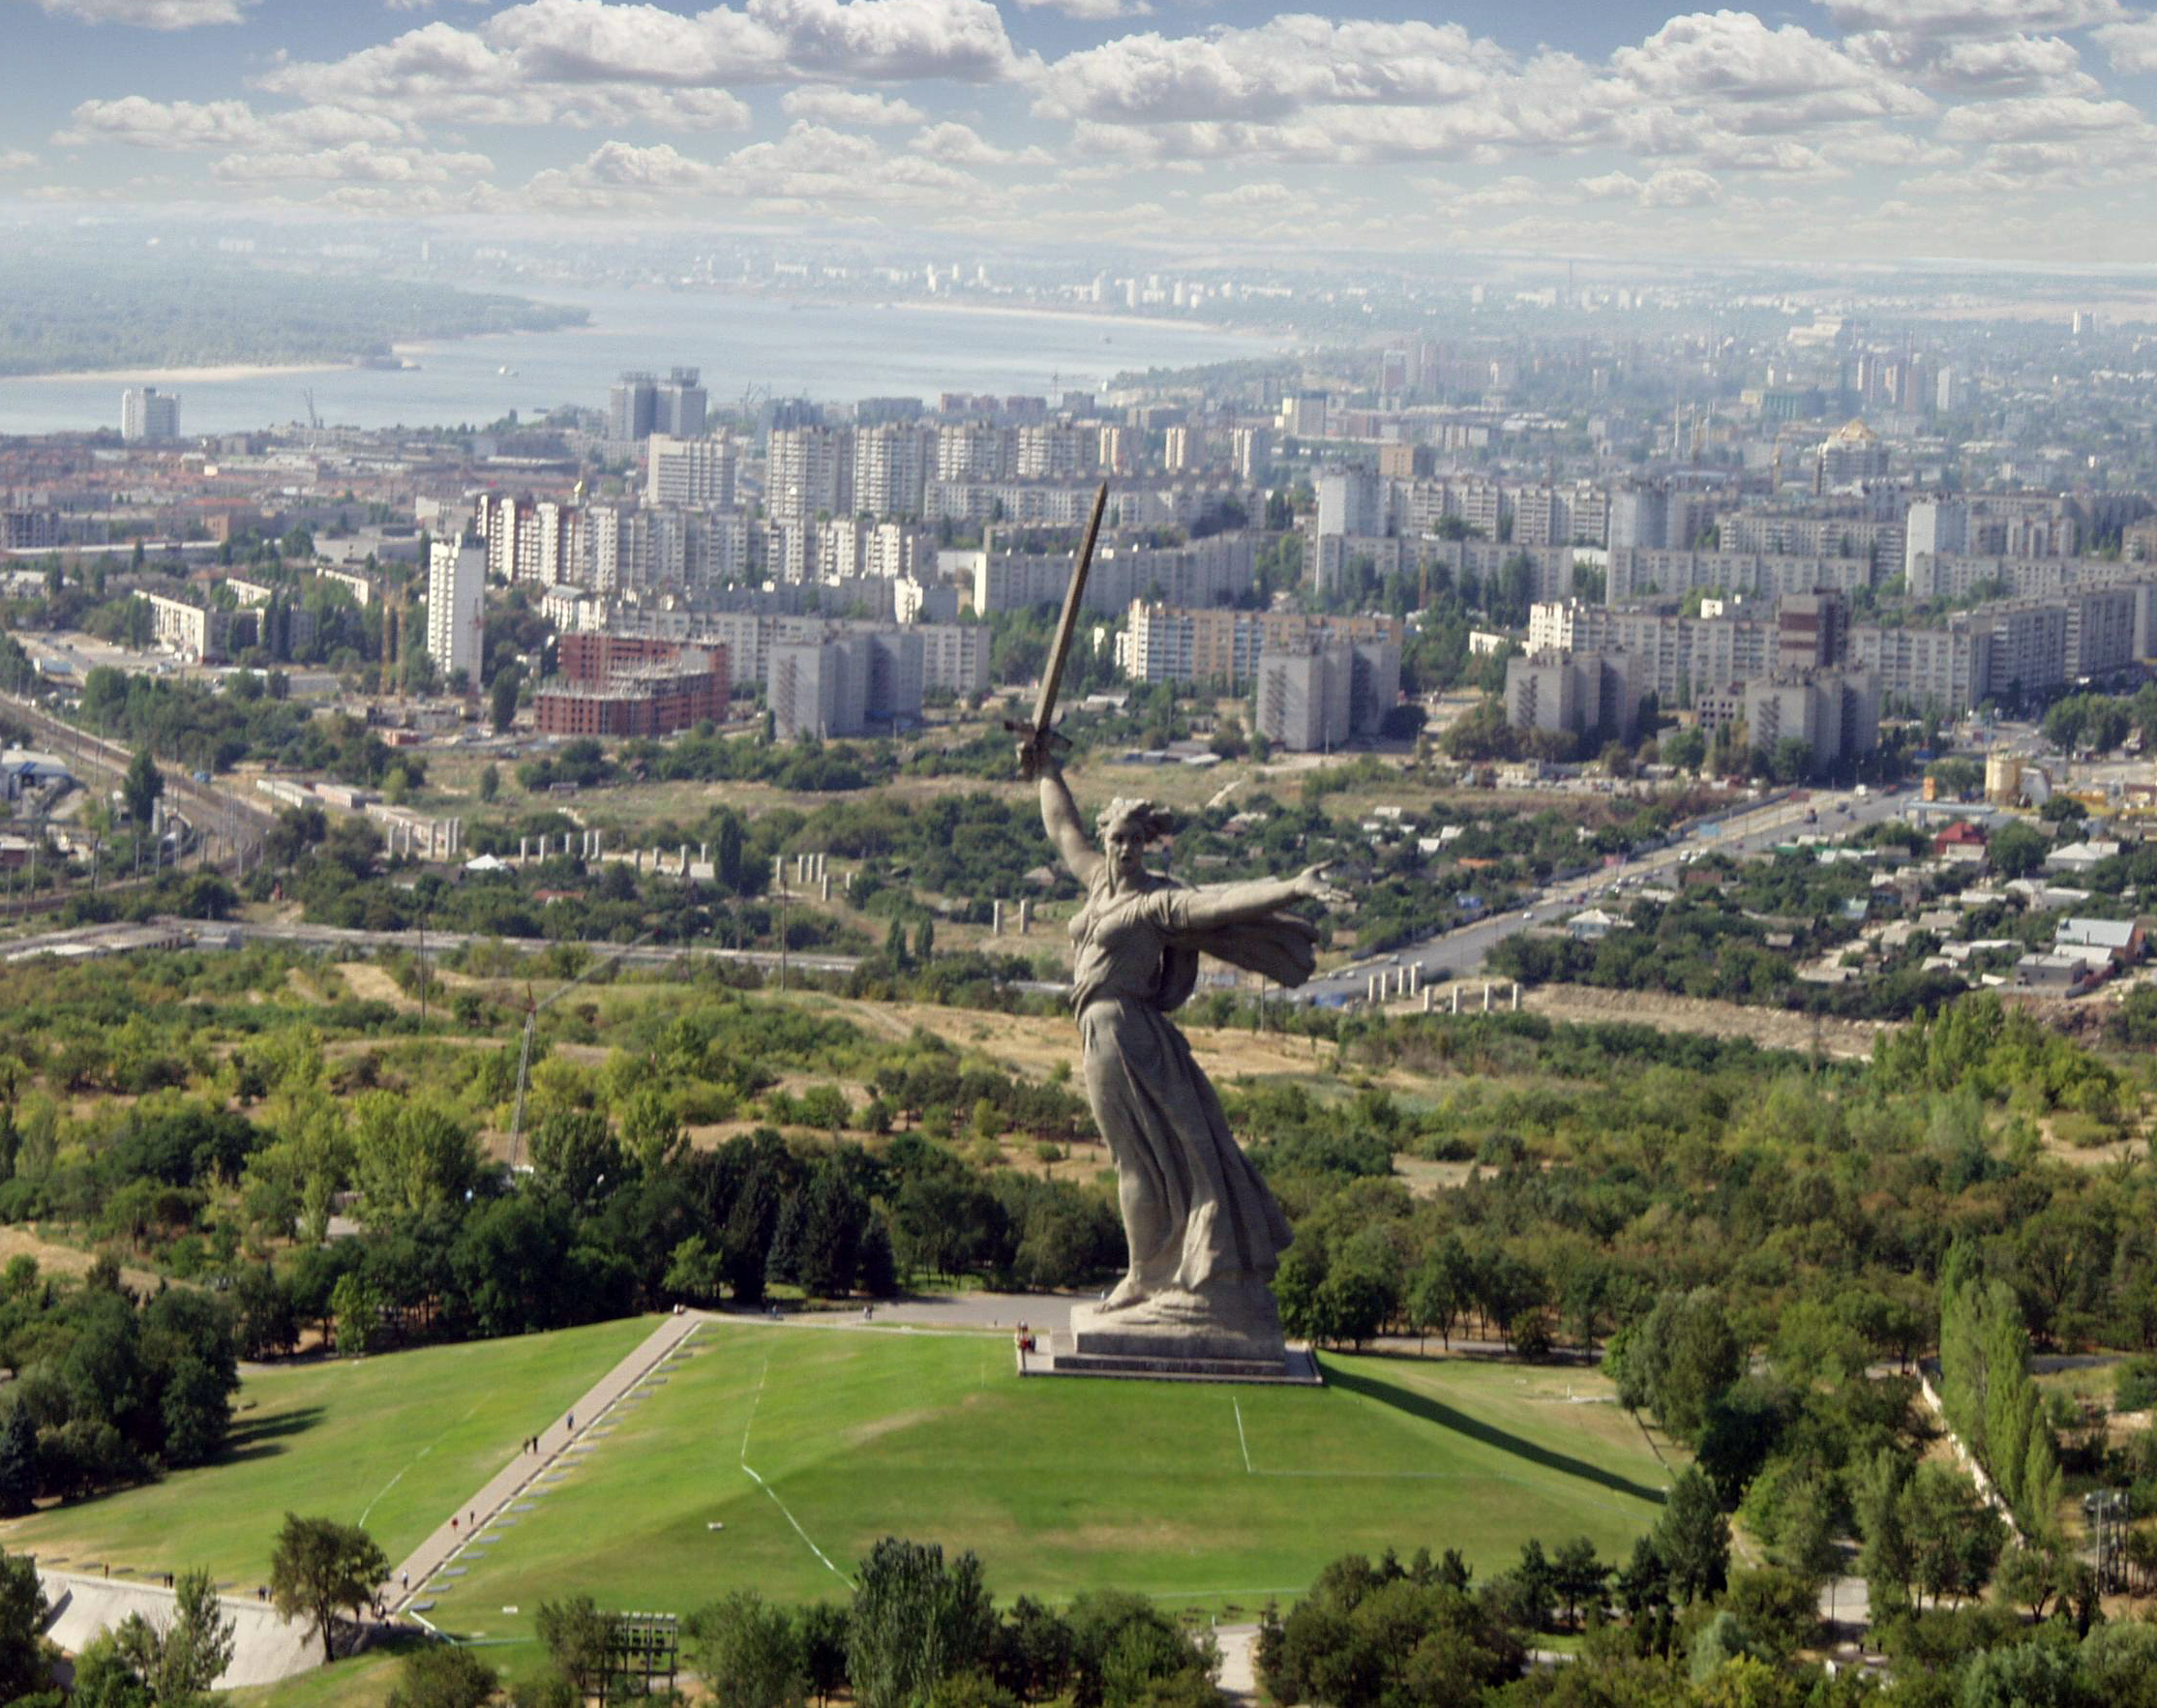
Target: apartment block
<point x="1581" y="693"/>
<point x="646" y="698"/>
<point x="692" y="471"/>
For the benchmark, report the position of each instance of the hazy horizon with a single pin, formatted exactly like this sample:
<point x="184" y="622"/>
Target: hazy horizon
<point x="2004" y="131"/>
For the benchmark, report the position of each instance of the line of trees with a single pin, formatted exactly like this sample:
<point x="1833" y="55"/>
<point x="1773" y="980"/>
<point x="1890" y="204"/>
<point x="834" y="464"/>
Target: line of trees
<point x="1990" y="1398"/>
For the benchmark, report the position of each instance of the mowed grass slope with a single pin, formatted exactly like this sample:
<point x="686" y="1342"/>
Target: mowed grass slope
<point x="396" y="1442"/>
<point x="1207" y="1496"/>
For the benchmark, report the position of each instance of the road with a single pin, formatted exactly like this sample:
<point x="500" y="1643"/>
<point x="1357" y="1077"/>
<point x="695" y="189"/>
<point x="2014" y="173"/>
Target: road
<point x="1461" y="951"/>
<point x="438" y="942"/>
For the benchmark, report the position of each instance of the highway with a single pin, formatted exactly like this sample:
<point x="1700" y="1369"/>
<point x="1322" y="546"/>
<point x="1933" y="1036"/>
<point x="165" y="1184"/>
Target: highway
<point x="333" y="938"/>
<point x="1459" y="953"/>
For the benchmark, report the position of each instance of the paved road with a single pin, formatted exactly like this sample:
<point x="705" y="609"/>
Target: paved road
<point x="1459" y="953"/>
<point x="439" y="942"/>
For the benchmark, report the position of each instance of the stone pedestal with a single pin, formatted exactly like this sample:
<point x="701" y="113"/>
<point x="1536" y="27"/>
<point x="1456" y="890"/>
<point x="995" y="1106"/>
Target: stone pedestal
<point x="1177" y="1337"/>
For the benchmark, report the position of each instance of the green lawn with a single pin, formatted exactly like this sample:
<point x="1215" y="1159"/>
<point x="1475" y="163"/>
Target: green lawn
<point x="1207" y="1496"/>
<point x="396" y="1442"/>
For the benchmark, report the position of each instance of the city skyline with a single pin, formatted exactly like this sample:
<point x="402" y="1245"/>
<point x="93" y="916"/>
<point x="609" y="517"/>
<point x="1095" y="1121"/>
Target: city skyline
<point x="1979" y="129"/>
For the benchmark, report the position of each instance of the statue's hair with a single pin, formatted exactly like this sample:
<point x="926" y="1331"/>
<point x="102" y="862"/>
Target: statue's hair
<point x="1153" y="822"/>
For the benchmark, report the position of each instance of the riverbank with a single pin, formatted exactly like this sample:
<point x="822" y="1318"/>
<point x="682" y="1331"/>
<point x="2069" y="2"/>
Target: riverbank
<point x="219" y="375"/>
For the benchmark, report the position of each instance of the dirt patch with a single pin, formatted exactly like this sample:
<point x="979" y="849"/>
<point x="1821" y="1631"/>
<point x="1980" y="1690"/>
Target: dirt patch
<point x="372" y="984"/>
<point x="68" y="1260"/>
<point x="1036" y="1044"/>
<point x="1771" y="1028"/>
<point x="1427" y="1179"/>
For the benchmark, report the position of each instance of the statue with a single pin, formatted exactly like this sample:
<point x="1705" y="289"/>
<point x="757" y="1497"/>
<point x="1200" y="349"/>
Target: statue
<point x="1205" y="1233"/>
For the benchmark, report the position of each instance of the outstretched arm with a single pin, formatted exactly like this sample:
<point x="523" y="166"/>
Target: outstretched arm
<point x="1060" y="818"/>
<point x="1231" y="904"/>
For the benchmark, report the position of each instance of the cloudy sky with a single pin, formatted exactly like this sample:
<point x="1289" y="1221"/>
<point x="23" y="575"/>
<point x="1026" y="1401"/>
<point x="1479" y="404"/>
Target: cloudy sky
<point x="2009" y="129"/>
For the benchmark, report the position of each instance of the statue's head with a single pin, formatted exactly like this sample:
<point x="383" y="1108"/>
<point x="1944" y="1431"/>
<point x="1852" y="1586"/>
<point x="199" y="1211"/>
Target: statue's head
<point x="1126" y="827"/>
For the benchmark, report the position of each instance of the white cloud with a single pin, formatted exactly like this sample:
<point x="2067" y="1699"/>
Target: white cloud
<point x="1732" y="59"/>
<point x="587" y="63"/>
<point x="1673" y="187"/>
<point x="1255" y="195"/>
<point x="2013" y="65"/>
<point x="1970" y="17"/>
<point x="136" y="122"/>
<point x="960" y="145"/>
<point x="1094" y="9"/>
<point x="149" y="15"/>
<point x="356" y="163"/>
<point x="2131" y="46"/>
<point x="16" y="160"/>
<point x="2037" y="117"/>
<point x="849" y="107"/>
<point x="1507" y="193"/>
<point x="1717" y="91"/>
<point x="1268" y="72"/>
<point x="811" y="168"/>
<point x="454" y="75"/>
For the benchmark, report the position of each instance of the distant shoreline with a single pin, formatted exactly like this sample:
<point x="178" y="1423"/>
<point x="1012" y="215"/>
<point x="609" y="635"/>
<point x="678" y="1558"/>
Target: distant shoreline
<point x="227" y="371"/>
<point x="1042" y="311"/>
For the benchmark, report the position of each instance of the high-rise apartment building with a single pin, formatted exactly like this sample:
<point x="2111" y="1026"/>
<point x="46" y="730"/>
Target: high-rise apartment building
<point x="149" y="416"/>
<point x="689" y="470"/>
<point x="678" y="405"/>
<point x="891" y="466"/>
<point x="457" y="609"/>
<point x="632" y="406"/>
<point x="809" y="470"/>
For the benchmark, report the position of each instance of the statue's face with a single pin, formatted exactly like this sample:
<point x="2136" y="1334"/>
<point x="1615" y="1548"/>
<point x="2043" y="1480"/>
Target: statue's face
<point x="1126" y="850"/>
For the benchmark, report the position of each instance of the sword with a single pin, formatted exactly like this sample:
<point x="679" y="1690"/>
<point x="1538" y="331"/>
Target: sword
<point x="1041" y="739"/>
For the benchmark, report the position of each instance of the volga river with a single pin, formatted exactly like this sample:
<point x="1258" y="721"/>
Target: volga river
<point x="832" y="352"/>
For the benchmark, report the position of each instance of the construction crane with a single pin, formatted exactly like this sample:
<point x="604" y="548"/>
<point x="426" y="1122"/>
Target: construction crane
<point x="532" y="1012"/>
<point x="313" y="421"/>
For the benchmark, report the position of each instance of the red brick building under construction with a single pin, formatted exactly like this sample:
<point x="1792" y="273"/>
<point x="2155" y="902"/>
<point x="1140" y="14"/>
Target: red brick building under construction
<point x="626" y="686"/>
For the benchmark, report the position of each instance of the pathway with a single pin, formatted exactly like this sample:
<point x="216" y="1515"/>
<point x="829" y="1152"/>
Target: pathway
<point x="456" y="1532"/>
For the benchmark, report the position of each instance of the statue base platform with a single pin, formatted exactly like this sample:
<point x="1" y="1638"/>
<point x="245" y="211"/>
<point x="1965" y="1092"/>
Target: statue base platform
<point x="1173" y="1343"/>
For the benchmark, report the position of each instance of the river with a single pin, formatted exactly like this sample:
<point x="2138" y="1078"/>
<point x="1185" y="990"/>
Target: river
<point x="834" y="352"/>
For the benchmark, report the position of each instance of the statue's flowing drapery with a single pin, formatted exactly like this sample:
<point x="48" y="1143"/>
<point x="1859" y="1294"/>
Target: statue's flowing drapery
<point x="1198" y="1216"/>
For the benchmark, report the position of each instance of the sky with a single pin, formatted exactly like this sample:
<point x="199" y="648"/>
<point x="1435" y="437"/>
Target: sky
<point x="1997" y="130"/>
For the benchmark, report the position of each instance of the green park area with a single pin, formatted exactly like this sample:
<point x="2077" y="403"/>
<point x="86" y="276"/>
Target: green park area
<point x="1205" y="1496"/>
<point x="392" y="1443"/>
<point x="1208" y="1497"/>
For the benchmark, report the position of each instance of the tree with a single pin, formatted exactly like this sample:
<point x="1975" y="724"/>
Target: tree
<point x="916" y="1622"/>
<point x="502" y="704"/>
<point x="141" y="789"/>
<point x="1955" y="1537"/>
<point x="356" y="1302"/>
<point x="1693" y="1537"/>
<point x="747" y="1652"/>
<point x="319" y="1567"/>
<point x="2031" y="1577"/>
<point x="24" y="1613"/>
<point x="18" y="1460"/>
<point x="490" y="782"/>
<point x="2016" y="850"/>
<point x="412" y="1157"/>
<point x="197" y="1410"/>
<point x="180" y="1661"/>
<point x="924" y="941"/>
<point x="443" y="1675"/>
<point x="104" y="1675"/>
<point x="576" y="1633"/>
<point x="1577" y="1576"/>
<point x="1441" y="1289"/>
<point x="821" y="1629"/>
